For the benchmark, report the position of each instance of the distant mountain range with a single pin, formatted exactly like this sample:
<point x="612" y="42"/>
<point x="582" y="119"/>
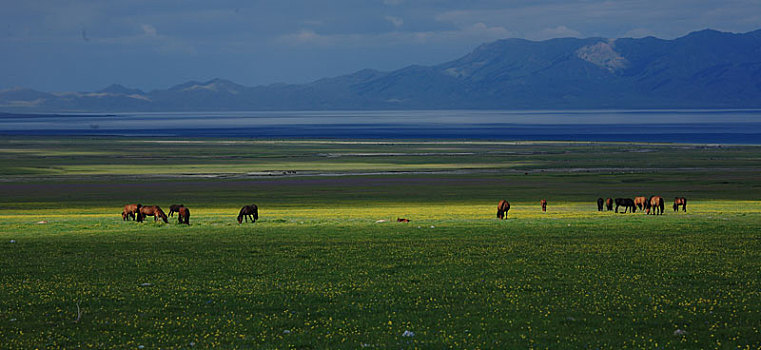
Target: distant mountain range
<point x="704" y="69"/>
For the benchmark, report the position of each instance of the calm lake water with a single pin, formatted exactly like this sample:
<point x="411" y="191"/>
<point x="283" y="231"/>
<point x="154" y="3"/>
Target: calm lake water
<point x="684" y="126"/>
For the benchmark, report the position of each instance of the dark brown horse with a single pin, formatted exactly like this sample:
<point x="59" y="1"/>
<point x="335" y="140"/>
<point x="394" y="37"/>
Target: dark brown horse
<point x="609" y="203"/>
<point x="151" y="210"/>
<point x="600" y="203"/>
<point x="655" y="203"/>
<point x="543" y="202"/>
<point x="640" y="202"/>
<point x="402" y="220"/>
<point x="183" y="215"/>
<point x="130" y="210"/>
<point x="680" y="201"/>
<point x="502" y="209"/>
<point x="174" y="208"/>
<point x="627" y="203"/>
<point x="248" y="211"/>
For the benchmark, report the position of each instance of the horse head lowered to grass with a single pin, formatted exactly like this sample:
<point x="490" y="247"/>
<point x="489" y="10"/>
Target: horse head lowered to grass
<point x="130" y="210"/>
<point x="502" y="208"/>
<point x="248" y="211"/>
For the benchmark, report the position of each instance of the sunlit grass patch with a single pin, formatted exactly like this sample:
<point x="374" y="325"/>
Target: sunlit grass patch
<point x="454" y="276"/>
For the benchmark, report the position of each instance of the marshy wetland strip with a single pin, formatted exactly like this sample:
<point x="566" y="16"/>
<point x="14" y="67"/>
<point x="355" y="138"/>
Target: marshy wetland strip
<point x="41" y="156"/>
<point x="101" y="170"/>
<point x="327" y="266"/>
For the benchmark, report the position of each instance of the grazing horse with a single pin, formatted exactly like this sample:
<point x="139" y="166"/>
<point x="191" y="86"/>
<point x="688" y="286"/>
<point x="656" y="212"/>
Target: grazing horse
<point x="183" y="215"/>
<point x="627" y="203"/>
<point x="656" y="203"/>
<point x="151" y="210"/>
<point x="130" y="210"/>
<point x="640" y="202"/>
<point x="502" y="209"/>
<point x="600" y="203"/>
<point x="609" y="203"/>
<point x="175" y="208"/>
<point x="248" y="211"/>
<point x="402" y="220"/>
<point x="680" y="201"/>
<point x="543" y="202"/>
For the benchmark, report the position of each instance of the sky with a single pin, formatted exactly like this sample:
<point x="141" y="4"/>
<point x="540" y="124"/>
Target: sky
<point x="76" y="45"/>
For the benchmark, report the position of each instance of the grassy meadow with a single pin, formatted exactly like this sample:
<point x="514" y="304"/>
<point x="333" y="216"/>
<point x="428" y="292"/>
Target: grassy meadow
<point x="319" y="271"/>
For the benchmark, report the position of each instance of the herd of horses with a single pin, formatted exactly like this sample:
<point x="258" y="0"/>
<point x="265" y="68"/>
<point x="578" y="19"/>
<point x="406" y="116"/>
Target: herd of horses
<point x="654" y="204"/>
<point x="138" y="212"/>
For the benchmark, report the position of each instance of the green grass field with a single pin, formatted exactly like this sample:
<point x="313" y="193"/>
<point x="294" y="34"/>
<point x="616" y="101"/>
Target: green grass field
<point x="318" y="271"/>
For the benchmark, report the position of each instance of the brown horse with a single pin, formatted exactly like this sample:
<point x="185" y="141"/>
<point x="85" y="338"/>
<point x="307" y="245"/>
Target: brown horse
<point x="543" y="202"/>
<point x="600" y="203"/>
<point x="680" y="201"/>
<point x="609" y="203"/>
<point x="174" y="208"/>
<point x="640" y="202"/>
<point x="152" y="210"/>
<point x="183" y="215"/>
<point x="656" y="203"/>
<point x="502" y="209"/>
<point x="248" y="211"/>
<point x="130" y="210"/>
<point x="402" y="220"/>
